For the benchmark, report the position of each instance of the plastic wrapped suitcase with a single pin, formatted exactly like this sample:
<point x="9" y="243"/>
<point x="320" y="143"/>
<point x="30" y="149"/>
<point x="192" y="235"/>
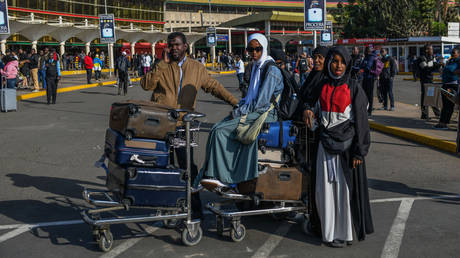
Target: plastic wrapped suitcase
<point x="275" y="184"/>
<point x="7" y="98"/>
<point x="271" y="135"/>
<point x="135" y="152"/>
<point x="143" y="119"/>
<point x="155" y="187"/>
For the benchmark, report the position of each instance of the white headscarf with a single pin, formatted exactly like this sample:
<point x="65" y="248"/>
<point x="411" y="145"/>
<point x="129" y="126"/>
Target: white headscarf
<point x="255" y="74"/>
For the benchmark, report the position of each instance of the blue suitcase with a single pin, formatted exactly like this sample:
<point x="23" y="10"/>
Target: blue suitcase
<point x="153" y="153"/>
<point x="272" y="137"/>
<point x="154" y="187"/>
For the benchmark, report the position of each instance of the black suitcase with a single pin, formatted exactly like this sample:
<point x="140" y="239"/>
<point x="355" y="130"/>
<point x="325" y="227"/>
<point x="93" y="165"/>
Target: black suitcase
<point x="153" y="153"/>
<point x="153" y="187"/>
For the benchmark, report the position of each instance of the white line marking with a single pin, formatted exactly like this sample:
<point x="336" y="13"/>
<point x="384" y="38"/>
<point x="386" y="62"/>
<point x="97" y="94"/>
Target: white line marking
<point x="399" y="199"/>
<point x="273" y="241"/>
<point x="394" y="239"/>
<point x="14" y="233"/>
<point x="127" y="244"/>
<point x="11" y="226"/>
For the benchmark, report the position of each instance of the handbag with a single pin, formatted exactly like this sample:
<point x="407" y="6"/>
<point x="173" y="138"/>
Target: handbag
<point x="334" y="144"/>
<point x="247" y="133"/>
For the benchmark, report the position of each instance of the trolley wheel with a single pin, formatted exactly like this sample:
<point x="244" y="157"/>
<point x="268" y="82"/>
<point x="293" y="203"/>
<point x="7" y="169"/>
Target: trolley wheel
<point x="105" y="241"/>
<point x="188" y="240"/>
<point x="238" y="234"/>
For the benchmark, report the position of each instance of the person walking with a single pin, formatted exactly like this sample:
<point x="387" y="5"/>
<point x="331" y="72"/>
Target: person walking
<point x="97" y="67"/>
<point x="239" y="67"/>
<point x="53" y="75"/>
<point x="302" y="67"/>
<point x="102" y="57"/>
<point x="390" y="69"/>
<point x="146" y="62"/>
<point x="88" y="67"/>
<point x="42" y="70"/>
<point x="33" y="63"/>
<point x="450" y="84"/>
<point x="426" y="65"/>
<point x="356" y="62"/>
<point x="122" y="69"/>
<point x="10" y="71"/>
<point x="369" y="78"/>
<point x="175" y="82"/>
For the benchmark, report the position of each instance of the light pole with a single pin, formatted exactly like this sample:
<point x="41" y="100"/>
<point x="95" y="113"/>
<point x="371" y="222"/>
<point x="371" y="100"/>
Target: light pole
<point x="213" y="48"/>
<point x="110" y="49"/>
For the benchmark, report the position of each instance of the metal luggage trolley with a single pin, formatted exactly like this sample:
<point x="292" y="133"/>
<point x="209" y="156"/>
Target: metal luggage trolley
<point x="170" y="216"/>
<point x="278" y="209"/>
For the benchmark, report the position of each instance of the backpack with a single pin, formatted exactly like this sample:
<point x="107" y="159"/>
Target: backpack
<point x="377" y="67"/>
<point x="288" y="102"/>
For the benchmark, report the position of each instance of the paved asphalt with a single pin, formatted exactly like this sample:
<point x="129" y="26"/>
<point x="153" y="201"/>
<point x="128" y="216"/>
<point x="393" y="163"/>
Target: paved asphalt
<point x="46" y="160"/>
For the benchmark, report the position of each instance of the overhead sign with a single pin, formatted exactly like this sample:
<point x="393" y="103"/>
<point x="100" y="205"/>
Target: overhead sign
<point x="314" y="14"/>
<point x="326" y="35"/>
<point x="107" y="28"/>
<point x="453" y="29"/>
<point x="4" y="23"/>
<point x="211" y="37"/>
<point x="222" y="37"/>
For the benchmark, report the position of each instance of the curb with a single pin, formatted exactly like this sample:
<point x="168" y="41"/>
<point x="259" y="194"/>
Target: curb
<point x="222" y="72"/>
<point x="76" y="72"/>
<point x="67" y="89"/>
<point x="415" y="137"/>
<point x="412" y="79"/>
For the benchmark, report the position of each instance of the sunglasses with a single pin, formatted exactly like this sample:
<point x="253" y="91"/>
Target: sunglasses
<point x="251" y="49"/>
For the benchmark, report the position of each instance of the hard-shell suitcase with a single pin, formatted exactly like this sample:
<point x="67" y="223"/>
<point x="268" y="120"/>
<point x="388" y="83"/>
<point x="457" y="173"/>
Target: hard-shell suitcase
<point x="275" y="184"/>
<point x="143" y="119"/>
<point x="272" y="136"/>
<point x="135" y="152"/>
<point x="140" y="186"/>
<point x="7" y="98"/>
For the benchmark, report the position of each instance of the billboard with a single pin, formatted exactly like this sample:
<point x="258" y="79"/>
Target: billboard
<point x="107" y="28"/>
<point x="326" y="35"/>
<point x="211" y="37"/>
<point x="314" y="14"/>
<point x="4" y="23"/>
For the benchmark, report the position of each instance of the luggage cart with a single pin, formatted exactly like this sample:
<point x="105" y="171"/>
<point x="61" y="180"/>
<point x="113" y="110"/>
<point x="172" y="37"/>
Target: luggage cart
<point x="278" y="208"/>
<point x="172" y="217"/>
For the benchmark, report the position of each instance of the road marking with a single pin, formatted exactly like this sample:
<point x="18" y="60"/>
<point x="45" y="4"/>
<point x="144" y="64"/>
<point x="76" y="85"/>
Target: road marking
<point x="11" y="226"/>
<point x="394" y="239"/>
<point x="399" y="199"/>
<point x="273" y="241"/>
<point x="14" y="233"/>
<point x="128" y="244"/>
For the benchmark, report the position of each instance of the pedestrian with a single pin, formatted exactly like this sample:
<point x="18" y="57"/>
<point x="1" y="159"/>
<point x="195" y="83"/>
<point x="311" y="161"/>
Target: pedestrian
<point x="10" y="72"/>
<point x="122" y="69"/>
<point x="41" y="68"/>
<point x="64" y="61"/>
<point x="81" y="59"/>
<point x="413" y="67"/>
<point x="369" y="78"/>
<point x="53" y="75"/>
<point x="342" y="196"/>
<point x="239" y="67"/>
<point x="302" y="67"/>
<point x="135" y="66"/>
<point x="146" y="62"/>
<point x="88" y="67"/>
<point x="33" y="63"/>
<point x="182" y="92"/>
<point x="97" y="67"/>
<point x="426" y="65"/>
<point x="356" y="62"/>
<point x="102" y="57"/>
<point x="390" y="69"/>
<point x="24" y="68"/>
<point x="450" y="84"/>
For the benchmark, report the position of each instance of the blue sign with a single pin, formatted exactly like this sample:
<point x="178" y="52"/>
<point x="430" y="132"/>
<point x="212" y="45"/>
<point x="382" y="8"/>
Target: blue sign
<point x="326" y="35"/>
<point x="107" y="28"/>
<point x="211" y="37"/>
<point x="4" y="23"/>
<point x="314" y="14"/>
<point x="222" y="37"/>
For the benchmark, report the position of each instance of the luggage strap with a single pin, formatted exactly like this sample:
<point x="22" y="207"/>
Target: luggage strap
<point x="281" y="134"/>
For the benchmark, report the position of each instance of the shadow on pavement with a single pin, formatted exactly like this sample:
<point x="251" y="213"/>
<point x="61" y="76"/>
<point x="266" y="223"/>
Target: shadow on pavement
<point x="98" y="93"/>
<point x="398" y="144"/>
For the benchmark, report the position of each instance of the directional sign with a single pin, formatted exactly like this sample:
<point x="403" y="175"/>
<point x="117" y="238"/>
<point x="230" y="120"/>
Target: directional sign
<point x="314" y="14"/>
<point x="211" y="36"/>
<point x="326" y="35"/>
<point x="4" y="23"/>
<point x="222" y="37"/>
<point x="107" y="28"/>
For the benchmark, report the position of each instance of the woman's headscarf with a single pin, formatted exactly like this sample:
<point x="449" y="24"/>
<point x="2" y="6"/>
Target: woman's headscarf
<point x="311" y="88"/>
<point x="257" y="67"/>
<point x="334" y="80"/>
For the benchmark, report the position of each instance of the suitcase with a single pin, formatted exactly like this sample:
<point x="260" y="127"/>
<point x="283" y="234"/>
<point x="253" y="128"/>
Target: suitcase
<point x="271" y="135"/>
<point x="155" y="187"/>
<point x="275" y="184"/>
<point x="143" y="119"/>
<point x="7" y="98"/>
<point x="433" y="95"/>
<point x="152" y="153"/>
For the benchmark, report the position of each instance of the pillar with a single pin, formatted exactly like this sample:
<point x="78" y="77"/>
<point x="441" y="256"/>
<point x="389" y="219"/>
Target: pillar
<point x="153" y="49"/>
<point x="34" y="45"/>
<point x="314" y="39"/>
<point x="245" y="38"/>
<point x="267" y="32"/>
<point x="62" y="48"/>
<point x="213" y="55"/>
<point x="191" y="47"/>
<point x="111" y="62"/>
<point x="3" y="46"/>
<point x="398" y="57"/>
<point x="406" y="60"/>
<point x="133" y="48"/>
<point x="229" y="41"/>
<point x="87" y="49"/>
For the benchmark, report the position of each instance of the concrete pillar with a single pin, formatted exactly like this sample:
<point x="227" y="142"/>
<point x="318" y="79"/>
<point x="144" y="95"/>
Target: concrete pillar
<point x="87" y="49"/>
<point x="3" y="46"/>
<point x="406" y="60"/>
<point x="111" y="61"/>
<point x="62" y="48"/>
<point x="314" y="39"/>
<point x="34" y="45"/>
<point x="213" y="55"/>
<point x="190" y="46"/>
<point x="267" y="33"/>
<point x="229" y="40"/>
<point x="153" y="49"/>
<point x="245" y="38"/>
<point x="133" y="48"/>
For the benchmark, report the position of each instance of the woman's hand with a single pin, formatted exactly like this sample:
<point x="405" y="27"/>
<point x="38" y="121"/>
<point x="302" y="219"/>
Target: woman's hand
<point x="308" y="117"/>
<point x="357" y="162"/>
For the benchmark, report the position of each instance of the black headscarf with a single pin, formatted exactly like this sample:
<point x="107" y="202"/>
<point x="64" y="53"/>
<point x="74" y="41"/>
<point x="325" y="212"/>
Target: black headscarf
<point x="327" y="63"/>
<point x="312" y="86"/>
<point x="322" y="50"/>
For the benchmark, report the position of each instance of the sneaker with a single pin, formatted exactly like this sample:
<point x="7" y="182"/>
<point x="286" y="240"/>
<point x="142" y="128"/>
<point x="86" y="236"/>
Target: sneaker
<point x="440" y="127"/>
<point x="35" y="91"/>
<point x="212" y="184"/>
<point x="391" y="109"/>
<point x="196" y="190"/>
<point x="130" y="86"/>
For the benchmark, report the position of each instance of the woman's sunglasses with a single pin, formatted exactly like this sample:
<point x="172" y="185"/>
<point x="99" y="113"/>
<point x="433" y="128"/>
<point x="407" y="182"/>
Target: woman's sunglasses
<point x="251" y="49"/>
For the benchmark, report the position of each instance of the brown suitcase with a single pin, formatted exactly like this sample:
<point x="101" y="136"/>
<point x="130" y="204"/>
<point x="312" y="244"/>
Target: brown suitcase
<point x="275" y="184"/>
<point x="143" y="119"/>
